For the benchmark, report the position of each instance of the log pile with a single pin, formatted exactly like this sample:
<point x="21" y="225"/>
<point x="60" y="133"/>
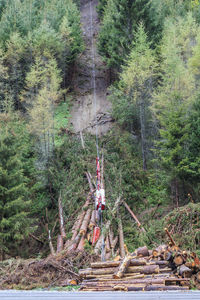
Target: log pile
<point x="160" y="269"/>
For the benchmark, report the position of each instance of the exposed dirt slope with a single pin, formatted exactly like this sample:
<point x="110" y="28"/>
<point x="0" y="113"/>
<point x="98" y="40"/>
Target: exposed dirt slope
<point x="84" y="111"/>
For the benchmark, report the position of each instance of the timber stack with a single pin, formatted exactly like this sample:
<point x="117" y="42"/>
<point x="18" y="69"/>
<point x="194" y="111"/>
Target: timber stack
<point x="161" y="269"/>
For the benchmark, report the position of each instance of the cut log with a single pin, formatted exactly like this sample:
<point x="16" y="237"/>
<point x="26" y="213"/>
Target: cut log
<point x="123" y="267"/>
<point x="159" y="250"/>
<point x="138" y="262"/>
<point x="61" y="219"/>
<point x="73" y="245"/>
<point x="85" y="223"/>
<point x="121" y="238"/>
<point x="107" y="244"/>
<point x="134" y="216"/>
<point x="150" y="252"/>
<point x="165" y="270"/>
<point x="168" y="256"/>
<point x="120" y="288"/>
<point x="92" y="220"/>
<point x="144" y="269"/>
<point x="166" y="288"/>
<point x="142" y="251"/>
<point x="91" y="271"/>
<point x="80" y="218"/>
<point x="184" y="271"/>
<point x="129" y="281"/>
<point x="110" y="277"/>
<point x="81" y="244"/>
<point x="179" y="259"/>
<point x="133" y="262"/>
<point x="59" y="243"/>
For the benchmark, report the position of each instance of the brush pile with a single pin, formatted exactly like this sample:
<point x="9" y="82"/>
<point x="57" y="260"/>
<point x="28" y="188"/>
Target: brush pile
<point x="164" y="268"/>
<point x="58" y="270"/>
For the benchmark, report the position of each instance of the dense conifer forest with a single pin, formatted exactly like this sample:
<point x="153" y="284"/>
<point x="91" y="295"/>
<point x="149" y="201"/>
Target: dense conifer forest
<point x="151" y="52"/>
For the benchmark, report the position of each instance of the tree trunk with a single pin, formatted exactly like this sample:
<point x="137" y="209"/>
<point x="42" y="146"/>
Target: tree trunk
<point x="92" y="220"/>
<point x="81" y="244"/>
<point x="59" y="243"/>
<point x="142" y="251"/>
<point x="184" y="271"/>
<point x="85" y="223"/>
<point x="123" y="267"/>
<point x="121" y="238"/>
<point x="134" y="216"/>
<point x="159" y="251"/>
<point x="144" y="269"/>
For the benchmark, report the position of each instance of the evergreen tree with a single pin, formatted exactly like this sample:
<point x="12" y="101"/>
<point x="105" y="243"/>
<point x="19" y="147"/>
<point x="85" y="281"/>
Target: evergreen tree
<point x="14" y="60"/>
<point x="116" y="32"/>
<point x="137" y="83"/>
<point x="174" y="97"/>
<point x="15" y="223"/>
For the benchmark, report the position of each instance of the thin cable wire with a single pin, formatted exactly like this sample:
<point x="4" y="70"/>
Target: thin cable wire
<point x="93" y="81"/>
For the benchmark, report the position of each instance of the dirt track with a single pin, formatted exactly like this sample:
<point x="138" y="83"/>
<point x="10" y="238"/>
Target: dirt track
<point x="84" y="110"/>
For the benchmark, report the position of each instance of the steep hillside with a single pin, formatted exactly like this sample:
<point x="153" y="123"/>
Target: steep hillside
<point x="91" y="104"/>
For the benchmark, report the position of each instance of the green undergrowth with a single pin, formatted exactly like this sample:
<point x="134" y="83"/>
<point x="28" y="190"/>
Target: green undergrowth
<point x="183" y="223"/>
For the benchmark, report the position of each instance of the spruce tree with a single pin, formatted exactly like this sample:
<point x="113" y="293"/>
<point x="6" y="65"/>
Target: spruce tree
<point x="15" y="205"/>
<point x="174" y="97"/>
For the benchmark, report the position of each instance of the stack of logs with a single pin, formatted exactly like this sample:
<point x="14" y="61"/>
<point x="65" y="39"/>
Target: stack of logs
<point x="164" y="268"/>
